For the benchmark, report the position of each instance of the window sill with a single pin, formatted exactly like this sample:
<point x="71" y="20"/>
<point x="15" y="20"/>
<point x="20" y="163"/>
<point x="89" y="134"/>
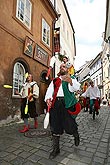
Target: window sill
<point x="18" y="21"/>
<point x="16" y="97"/>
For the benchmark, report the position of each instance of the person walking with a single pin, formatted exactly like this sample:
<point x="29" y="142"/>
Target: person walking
<point x="85" y="99"/>
<point x="64" y="108"/>
<point x="93" y="93"/>
<point x="29" y="93"/>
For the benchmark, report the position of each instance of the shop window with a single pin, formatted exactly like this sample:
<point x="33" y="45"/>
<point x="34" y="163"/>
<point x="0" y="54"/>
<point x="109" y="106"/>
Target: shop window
<point x="18" y="77"/>
<point x="45" y="32"/>
<point x="24" y="12"/>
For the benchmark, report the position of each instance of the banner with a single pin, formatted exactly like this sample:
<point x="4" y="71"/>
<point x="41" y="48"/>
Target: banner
<point x="57" y="40"/>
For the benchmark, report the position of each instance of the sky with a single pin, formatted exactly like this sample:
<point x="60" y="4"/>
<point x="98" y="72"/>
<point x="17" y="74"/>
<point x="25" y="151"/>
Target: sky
<point x="88" y="19"/>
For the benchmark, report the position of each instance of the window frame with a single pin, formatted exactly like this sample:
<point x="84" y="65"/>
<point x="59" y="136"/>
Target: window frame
<point x="20" y="78"/>
<point x="29" y="16"/>
<point x="45" y="35"/>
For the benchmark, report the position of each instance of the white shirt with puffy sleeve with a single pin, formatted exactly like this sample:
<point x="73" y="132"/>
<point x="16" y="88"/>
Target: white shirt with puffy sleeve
<point x="49" y="94"/>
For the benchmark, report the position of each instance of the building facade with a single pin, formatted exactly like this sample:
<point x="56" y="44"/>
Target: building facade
<point x="26" y="45"/>
<point x="106" y="55"/>
<point x="83" y="74"/>
<point x="66" y="34"/>
<point x="96" y="71"/>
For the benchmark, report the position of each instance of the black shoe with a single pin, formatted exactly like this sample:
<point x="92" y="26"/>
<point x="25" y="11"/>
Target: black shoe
<point x="97" y="112"/>
<point x="90" y="112"/>
<point x="54" y="153"/>
<point x="77" y="140"/>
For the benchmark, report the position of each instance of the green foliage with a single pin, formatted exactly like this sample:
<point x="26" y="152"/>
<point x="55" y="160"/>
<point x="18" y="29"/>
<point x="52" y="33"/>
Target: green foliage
<point x="60" y="57"/>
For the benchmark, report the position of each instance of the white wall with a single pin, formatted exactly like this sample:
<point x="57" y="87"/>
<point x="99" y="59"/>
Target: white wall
<point x="66" y="34"/>
<point x="96" y="72"/>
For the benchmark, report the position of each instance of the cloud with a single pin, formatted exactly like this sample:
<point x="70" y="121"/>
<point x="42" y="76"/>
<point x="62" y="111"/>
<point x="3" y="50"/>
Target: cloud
<point x="87" y="55"/>
<point x="88" y="19"/>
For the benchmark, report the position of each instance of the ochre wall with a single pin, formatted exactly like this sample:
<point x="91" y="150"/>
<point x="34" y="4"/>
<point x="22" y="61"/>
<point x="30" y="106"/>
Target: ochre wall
<point x="12" y="38"/>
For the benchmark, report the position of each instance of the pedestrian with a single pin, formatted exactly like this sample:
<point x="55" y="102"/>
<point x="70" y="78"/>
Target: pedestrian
<point x="93" y="93"/>
<point x="64" y="108"/>
<point x="86" y="99"/>
<point x="29" y="93"/>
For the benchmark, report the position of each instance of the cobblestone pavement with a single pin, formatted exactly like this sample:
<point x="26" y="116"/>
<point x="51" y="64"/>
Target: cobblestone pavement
<point x="94" y="148"/>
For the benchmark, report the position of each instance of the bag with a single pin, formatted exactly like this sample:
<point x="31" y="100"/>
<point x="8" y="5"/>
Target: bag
<point x="97" y="104"/>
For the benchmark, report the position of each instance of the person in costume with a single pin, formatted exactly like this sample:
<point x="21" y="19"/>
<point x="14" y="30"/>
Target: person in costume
<point x="85" y="100"/>
<point x="29" y="93"/>
<point x="64" y="108"/>
<point x="65" y="60"/>
<point x="52" y="62"/>
<point x="93" y="93"/>
<point x="69" y="65"/>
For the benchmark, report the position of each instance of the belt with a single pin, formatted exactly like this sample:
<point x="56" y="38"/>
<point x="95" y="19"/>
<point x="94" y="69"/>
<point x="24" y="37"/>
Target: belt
<point x="60" y="98"/>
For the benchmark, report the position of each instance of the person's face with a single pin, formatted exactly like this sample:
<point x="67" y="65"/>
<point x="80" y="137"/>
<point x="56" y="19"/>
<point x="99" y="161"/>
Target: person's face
<point x="63" y="69"/>
<point x="29" y="78"/>
<point x="65" y="59"/>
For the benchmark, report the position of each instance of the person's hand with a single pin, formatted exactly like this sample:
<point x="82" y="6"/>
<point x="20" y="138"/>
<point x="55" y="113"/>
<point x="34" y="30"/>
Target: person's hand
<point x="30" y="96"/>
<point x="97" y="98"/>
<point x="49" y="102"/>
<point x="67" y="78"/>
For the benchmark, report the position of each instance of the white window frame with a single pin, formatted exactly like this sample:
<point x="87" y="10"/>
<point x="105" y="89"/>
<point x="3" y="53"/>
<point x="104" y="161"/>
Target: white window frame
<point x="18" y="77"/>
<point x="24" y="12"/>
<point x="45" y="32"/>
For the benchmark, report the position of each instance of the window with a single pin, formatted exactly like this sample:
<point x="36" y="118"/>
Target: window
<point x="18" y="77"/>
<point x="100" y="79"/>
<point x="96" y="80"/>
<point x="24" y="12"/>
<point x="45" y="32"/>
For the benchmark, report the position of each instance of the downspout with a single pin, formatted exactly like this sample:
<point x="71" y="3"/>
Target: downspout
<point x="53" y="53"/>
<point x="53" y="28"/>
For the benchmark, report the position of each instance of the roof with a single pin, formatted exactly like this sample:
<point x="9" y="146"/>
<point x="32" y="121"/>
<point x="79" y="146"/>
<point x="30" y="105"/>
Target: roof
<point x="52" y="7"/>
<point x="95" y="59"/>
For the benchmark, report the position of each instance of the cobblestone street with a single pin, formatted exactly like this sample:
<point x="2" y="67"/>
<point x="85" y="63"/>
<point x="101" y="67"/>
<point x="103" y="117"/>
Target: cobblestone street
<point x="94" y="148"/>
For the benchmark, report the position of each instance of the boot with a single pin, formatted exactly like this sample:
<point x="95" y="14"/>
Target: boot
<point x="35" y="124"/>
<point x="97" y="112"/>
<point x="56" y="149"/>
<point x="76" y="139"/>
<point x="25" y="129"/>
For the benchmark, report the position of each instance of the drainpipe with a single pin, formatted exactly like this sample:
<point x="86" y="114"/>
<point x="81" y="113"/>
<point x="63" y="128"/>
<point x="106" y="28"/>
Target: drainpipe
<point x="53" y="28"/>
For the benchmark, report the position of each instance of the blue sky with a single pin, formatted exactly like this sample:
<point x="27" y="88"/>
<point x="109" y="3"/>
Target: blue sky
<point x="88" y="19"/>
